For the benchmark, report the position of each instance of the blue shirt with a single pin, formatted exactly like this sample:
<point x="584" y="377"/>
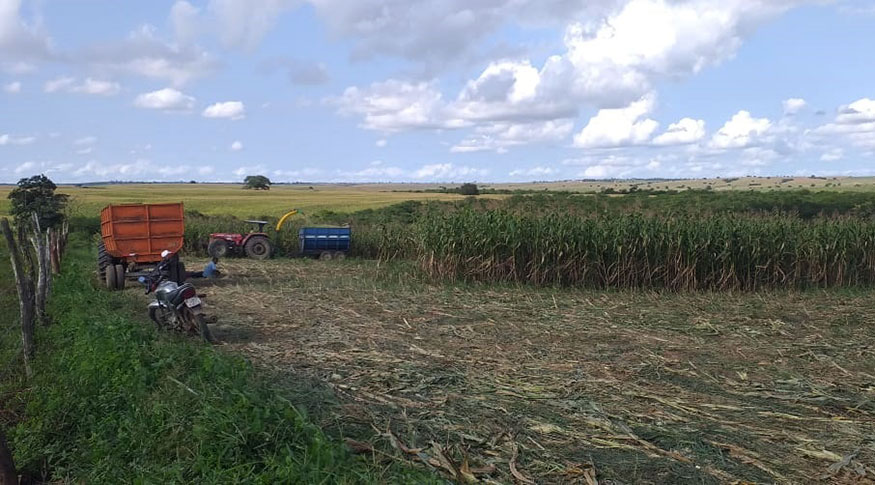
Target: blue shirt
<point x="210" y="270"/>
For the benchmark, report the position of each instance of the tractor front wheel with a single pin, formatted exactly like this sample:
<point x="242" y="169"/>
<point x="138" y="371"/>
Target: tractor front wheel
<point x="218" y="248"/>
<point x="258" y="247"/>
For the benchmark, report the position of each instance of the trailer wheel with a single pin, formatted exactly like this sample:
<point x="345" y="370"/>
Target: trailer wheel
<point x="110" y="277"/>
<point x="119" y="270"/>
<point x="325" y="256"/>
<point x="258" y="247"/>
<point x="339" y="255"/>
<point x="218" y="248"/>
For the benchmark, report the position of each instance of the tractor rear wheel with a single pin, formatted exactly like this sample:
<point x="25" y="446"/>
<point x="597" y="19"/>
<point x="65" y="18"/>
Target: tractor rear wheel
<point x="218" y="248"/>
<point x="339" y="255"/>
<point x="258" y="247"/>
<point x="103" y="258"/>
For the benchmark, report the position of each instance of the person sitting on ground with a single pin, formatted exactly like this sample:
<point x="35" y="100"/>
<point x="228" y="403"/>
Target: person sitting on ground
<point x="210" y="270"/>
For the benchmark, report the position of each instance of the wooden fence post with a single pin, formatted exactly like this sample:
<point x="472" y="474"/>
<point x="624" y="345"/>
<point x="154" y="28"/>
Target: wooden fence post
<point x="55" y="250"/>
<point x="24" y="283"/>
<point x="44" y="276"/>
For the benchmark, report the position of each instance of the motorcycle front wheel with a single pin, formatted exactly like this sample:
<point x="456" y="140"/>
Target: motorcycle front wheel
<point x="202" y="328"/>
<point x="161" y="316"/>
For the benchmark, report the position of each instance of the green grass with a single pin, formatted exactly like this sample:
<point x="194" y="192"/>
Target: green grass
<point x="113" y="401"/>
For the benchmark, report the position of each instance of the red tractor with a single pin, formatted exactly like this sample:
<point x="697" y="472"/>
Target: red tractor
<point x="255" y="245"/>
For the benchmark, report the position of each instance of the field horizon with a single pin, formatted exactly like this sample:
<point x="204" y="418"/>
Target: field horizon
<point x="216" y="198"/>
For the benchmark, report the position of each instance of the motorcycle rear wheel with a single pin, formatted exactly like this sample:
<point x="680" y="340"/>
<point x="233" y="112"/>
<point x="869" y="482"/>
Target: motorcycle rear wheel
<point x="203" y="328"/>
<point x="161" y="317"/>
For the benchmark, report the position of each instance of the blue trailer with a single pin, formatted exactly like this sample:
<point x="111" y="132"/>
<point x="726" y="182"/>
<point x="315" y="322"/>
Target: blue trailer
<point x="325" y="242"/>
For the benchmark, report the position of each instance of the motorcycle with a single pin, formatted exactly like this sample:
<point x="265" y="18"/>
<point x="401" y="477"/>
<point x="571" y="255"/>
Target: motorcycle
<point x="176" y="307"/>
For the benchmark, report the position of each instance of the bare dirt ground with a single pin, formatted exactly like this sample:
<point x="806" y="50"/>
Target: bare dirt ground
<point x="507" y="384"/>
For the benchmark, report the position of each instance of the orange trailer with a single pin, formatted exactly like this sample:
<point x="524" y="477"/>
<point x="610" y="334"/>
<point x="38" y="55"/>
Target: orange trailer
<point x="133" y="236"/>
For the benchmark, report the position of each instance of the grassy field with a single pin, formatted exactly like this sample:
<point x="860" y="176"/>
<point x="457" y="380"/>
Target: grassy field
<point x="216" y="199"/>
<point x="230" y="199"/>
<point x="114" y="401"/>
<point x="552" y="384"/>
<point x="557" y="381"/>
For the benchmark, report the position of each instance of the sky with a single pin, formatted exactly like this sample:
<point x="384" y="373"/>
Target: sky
<point x="435" y="90"/>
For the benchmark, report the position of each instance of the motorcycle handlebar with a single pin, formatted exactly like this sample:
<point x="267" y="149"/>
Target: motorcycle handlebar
<point x="155" y="276"/>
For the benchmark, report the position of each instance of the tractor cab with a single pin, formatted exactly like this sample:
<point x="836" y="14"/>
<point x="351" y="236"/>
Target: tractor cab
<point x="260" y="225"/>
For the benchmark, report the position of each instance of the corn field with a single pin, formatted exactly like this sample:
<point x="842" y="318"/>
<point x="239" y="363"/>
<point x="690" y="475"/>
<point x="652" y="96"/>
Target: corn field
<point x="722" y="252"/>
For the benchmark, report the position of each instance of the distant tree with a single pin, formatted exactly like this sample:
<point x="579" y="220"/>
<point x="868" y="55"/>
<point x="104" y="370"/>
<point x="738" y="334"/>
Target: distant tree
<point x="257" y="182"/>
<point x="36" y="195"/>
<point x="192" y="181"/>
<point x="469" y="189"/>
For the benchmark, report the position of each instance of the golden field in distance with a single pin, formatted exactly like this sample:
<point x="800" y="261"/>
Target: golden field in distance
<point x="233" y="199"/>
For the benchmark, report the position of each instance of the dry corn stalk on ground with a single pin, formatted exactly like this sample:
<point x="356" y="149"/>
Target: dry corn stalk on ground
<point x="515" y="384"/>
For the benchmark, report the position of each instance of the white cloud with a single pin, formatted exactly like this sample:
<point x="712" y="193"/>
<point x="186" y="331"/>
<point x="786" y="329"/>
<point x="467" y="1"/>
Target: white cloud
<point x="833" y="155"/>
<point x="794" y="105"/>
<point x="234" y="110"/>
<point x="250" y="170"/>
<point x="854" y="123"/>
<point x="21" y="41"/>
<point x="94" y="86"/>
<point x="435" y="31"/>
<point x="88" y="86"/>
<point x="374" y="173"/>
<point x="381" y="143"/>
<point x="617" y="165"/>
<point x="17" y="67"/>
<point x="236" y="146"/>
<point x="609" y="64"/>
<point x="534" y="172"/>
<point x="393" y="105"/>
<point x="122" y="170"/>
<point x="448" y="172"/>
<point x="499" y="136"/>
<point x="87" y="140"/>
<point x="61" y="83"/>
<point x="619" y="127"/>
<point x="297" y="175"/>
<point x="25" y="167"/>
<point x="7" y="139"/>
<point x="237" y="23"/>
<point x="184" y="19"/>
<point x="685" y="131"/>
<point x="85" y="151"/>
<point x="142" y="53"/>
<point x="172" y="170"/>
<point x="740" y="131"/>
<point x="205" y="169"/>
<point x="12" y="88"/>
<point x="860" y="111"/>
<point x="167" y="99"/>
<point x="298" y="71"/>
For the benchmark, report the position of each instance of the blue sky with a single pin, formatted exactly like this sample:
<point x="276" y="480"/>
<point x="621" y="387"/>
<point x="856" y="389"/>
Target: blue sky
<point x="435" y="90"/>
